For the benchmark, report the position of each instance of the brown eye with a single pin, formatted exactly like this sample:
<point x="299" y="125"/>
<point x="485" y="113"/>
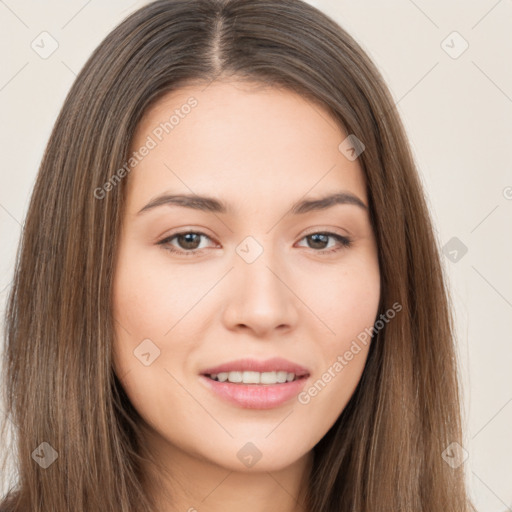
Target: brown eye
<point x="320" y="241"/>
<point x="188" y="242"/>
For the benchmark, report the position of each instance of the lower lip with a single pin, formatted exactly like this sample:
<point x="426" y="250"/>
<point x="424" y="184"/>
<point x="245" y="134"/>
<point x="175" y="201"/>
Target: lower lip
<point x="256" y="396"/>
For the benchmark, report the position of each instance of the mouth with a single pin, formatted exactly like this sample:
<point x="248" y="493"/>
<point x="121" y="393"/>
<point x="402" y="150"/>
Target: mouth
<point x="253" y="384"/>
<point x="255" y="378"/>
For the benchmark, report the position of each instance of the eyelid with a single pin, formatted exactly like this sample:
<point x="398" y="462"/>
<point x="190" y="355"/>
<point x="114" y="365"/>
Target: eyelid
<point x="166" y="240"/>
<point x="330" y="230"/>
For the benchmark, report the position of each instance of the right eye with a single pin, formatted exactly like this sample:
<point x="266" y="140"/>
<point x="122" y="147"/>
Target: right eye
<point x="188" y="240"/>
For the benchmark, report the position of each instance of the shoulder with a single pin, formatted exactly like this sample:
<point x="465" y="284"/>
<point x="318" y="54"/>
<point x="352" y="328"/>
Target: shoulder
<point x="7" y="504"/>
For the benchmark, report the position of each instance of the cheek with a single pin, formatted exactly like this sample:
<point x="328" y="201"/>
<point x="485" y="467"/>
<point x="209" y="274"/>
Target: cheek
<point x="138" y="309"/>
<point x="152" y="301"/>
<point x="346" y="301"/>
<point x="347" y="304"/>
<point x="149" y="298"/>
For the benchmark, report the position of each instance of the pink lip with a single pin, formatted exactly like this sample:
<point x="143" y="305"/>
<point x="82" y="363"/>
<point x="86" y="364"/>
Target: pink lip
<point x="270" y="365"/>
<point x="257" y="396"/>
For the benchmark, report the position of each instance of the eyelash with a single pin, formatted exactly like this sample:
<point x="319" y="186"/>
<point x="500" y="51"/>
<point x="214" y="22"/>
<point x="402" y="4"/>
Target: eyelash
<point x="344" y="241"/>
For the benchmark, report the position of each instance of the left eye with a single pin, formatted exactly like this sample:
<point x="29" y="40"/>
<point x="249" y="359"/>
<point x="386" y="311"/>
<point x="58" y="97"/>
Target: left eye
<point x="320" y="238"/>
<point x="189" y="240"/>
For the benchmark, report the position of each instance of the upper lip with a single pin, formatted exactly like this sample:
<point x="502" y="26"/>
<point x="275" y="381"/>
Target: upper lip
<point x="268" y="365"/>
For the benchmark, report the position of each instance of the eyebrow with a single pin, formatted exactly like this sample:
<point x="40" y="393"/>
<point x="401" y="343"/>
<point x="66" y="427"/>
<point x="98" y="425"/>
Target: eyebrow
<point x="210" y="204"/>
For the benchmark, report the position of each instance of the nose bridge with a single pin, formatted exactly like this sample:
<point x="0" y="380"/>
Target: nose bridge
<point x="257" y="264"/>
<point x="260" y="299"/>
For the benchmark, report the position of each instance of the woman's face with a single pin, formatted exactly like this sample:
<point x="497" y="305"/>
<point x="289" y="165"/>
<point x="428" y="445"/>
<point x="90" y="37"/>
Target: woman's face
<point x="255" y="279"/>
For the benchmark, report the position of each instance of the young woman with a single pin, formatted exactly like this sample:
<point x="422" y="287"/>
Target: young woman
<point x="228" y="294"/>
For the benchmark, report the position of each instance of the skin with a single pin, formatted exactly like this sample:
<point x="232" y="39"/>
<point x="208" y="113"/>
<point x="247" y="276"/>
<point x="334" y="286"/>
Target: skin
<point x="260" y="150"/>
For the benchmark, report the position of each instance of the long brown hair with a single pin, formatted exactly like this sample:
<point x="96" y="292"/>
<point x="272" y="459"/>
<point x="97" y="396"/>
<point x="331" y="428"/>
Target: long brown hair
<point x="385" y="450"/>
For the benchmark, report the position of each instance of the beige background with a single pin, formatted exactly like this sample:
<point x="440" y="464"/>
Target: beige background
<point x="456" y="108"/>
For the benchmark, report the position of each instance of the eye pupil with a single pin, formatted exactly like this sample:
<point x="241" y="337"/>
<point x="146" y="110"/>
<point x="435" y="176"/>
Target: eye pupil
<point x="315" y="239"/>
<point x="187" y="240"/>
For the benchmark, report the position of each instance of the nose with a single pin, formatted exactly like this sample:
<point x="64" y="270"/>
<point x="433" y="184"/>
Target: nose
<point x="261" y="298"/>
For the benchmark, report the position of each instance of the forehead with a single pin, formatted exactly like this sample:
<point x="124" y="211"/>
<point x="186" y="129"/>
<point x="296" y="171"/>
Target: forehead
<point x="240" y="141"/>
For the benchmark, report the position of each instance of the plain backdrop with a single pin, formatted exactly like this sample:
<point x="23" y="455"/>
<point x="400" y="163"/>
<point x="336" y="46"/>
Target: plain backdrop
<point x="447" y="65"/>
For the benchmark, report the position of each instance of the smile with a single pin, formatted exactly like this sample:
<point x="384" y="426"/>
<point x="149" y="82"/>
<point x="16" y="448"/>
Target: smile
<point x="251" y="377"/>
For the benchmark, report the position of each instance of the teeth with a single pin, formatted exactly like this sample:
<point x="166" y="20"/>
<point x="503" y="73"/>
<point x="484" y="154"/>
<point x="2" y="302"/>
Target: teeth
<point x="250" y="377"/>
<point x="268" y="378"/>
<point x="281" y="377"/>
